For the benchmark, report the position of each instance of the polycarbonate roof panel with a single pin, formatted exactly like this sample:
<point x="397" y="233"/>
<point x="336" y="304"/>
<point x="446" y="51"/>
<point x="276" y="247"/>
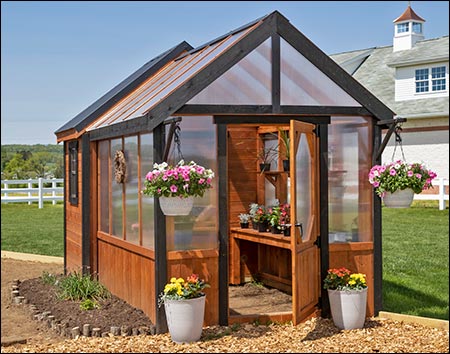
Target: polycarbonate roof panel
<point x="302" y="83"/>
<point x="247" y="82"/>
<point x="160" y="85"/>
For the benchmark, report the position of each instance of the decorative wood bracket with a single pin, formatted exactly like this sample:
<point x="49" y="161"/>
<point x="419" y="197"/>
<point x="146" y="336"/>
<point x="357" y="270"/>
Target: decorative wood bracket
<point x="392" y="123"/>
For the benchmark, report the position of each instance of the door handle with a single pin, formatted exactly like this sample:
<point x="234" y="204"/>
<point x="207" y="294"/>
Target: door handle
<point x="300" y="225"/>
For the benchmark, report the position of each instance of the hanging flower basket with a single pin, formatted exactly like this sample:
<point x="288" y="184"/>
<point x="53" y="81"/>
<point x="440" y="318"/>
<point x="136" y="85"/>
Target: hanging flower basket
<point x="176" y="186"/>
<point x="397" y="182"/>
<point x="399" y="199"/>
<point x="172" y="206"/>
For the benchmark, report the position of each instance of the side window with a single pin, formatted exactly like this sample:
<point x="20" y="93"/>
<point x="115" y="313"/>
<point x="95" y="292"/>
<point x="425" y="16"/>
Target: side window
<point x="73" y="172"/>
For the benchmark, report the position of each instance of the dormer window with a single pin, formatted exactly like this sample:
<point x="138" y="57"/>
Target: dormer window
<point x="417" y="27"/>
<point x="403" y="27"/>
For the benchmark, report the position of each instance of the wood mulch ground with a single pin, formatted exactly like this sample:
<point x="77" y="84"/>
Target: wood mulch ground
<point x="314" y="336"/>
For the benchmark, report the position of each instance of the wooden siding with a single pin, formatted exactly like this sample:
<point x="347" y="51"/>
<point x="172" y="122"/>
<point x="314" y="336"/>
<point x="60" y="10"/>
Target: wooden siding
<point x="358" y="257"/>
<point x="128" y="275"/>
<point x="205" y="263"/>
<point x="73" y="222"/>
<point x="242" y="185"/>
<point x="242" y="167"/>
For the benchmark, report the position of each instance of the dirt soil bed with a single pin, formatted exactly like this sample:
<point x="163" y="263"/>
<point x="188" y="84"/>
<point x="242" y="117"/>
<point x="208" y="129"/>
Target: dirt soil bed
<point x="22" y="334"/>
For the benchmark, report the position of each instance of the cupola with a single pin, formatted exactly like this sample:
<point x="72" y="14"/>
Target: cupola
<point x="408" y="30"/>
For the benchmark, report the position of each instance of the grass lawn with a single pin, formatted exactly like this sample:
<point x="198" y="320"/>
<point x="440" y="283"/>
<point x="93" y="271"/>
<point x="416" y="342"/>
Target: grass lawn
<point x="28" y="229"/>
<point x="416" y="260"/>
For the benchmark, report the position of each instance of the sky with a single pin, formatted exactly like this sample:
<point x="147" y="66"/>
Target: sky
<point x="58" y="57"/>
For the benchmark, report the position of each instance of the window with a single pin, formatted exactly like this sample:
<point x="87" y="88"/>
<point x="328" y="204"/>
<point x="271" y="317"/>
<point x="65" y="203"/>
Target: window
<point x="422" y="80"/>
<point x="403" y="27"/>
<point x="436" y="80"/>
<point x="73" y="172"/>
<point x="417" y="27"/>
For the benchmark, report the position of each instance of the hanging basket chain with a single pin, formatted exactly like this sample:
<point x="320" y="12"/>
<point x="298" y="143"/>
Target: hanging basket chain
<point x="398" y="142"/>
<point x="177" y="141"/>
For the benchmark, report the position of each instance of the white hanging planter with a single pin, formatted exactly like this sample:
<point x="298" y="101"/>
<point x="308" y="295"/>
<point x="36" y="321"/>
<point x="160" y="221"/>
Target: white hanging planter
<point x="172" y="206"/>
<point x="185" y="319"/>
<point x="348" y="308"/>
<point x="399" y="199"/>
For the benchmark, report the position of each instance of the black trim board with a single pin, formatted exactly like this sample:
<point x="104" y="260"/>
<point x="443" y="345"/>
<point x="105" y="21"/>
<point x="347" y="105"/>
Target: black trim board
<point x="85" y="204"/>
<point x="377" y="232"/>
<point x="160" y="236"/>
<point x="323" y="205"/>
<point x="223" y="223"/>
<point x="269" y="109"/>
<point x="272" y="119"/>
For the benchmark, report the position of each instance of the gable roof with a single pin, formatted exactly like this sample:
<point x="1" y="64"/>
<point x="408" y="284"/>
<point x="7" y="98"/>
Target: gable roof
<point x="377" y="74"/>
<point x="105" y="102"/>
<point x="160" y="93"/>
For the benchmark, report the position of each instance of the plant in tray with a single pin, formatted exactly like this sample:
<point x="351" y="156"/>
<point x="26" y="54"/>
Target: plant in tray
<point x="244" y="220"/>
<point x="266" y="156"/>
<point x="285" y="218"/>
<point x="274" y="219"/>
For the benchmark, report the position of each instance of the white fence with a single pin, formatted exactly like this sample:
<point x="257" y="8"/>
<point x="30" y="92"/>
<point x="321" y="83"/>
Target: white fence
<point x="40" y="194"/>
<point x="440" y="184"/>
<point x="30" y="194"/>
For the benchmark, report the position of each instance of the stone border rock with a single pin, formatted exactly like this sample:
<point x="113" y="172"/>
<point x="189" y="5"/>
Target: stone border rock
<point x="62" y="328"/>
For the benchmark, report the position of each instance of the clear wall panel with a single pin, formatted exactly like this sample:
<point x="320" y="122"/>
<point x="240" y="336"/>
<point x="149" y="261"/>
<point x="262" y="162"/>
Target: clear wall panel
<point x="148" y="229"/>
<point x="117" y="191"/>
<point x="302" y="83"/>
<point x="248" y="82"/>
<point x="350" y="194"/>
<point x="199" y="229"/>
<point x="303" y="186"/>
<point x="103" y="156"/>
<point x="131" y="190"/>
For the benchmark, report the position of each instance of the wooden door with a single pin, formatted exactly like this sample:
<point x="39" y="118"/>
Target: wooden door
<point x="304" y="200"/>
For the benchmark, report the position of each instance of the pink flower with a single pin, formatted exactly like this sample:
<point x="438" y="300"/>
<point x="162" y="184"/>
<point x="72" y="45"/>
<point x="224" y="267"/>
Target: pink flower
<point x="201" y="181"/>
<point x="392" y="172"/>
<point x="173" y="188"/>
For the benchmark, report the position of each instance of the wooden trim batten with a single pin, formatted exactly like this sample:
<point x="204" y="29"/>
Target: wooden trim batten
<point x="323" y="205"/>
<point x="160" y="235"/>
<point x="223" y="223"/>
<point x="86" y="203"/>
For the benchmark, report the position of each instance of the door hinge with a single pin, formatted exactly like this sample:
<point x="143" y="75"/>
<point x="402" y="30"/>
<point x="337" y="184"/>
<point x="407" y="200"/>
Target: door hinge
<point x="317" y="242"/>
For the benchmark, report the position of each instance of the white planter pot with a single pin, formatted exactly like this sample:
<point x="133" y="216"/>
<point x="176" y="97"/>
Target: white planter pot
<point x="348" y="308"/>
<point x="185" y="319"/>
<point x="399" y="199"/>
<point x="173" y="206"/>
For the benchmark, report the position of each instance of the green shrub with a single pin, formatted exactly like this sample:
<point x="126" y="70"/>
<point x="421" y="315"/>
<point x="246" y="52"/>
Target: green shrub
<point x="79" y="287"/>
<point x="89" y="304"/>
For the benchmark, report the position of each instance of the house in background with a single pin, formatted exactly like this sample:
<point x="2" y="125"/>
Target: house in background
<point x="411" y="78"/>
